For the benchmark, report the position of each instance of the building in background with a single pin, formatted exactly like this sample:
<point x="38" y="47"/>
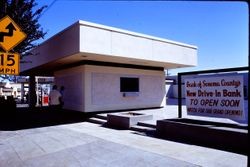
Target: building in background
<point x="20" y="90"/>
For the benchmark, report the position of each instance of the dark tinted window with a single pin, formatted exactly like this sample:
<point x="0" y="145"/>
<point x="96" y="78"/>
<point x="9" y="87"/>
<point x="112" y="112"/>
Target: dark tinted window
<point x="129" y="84"/>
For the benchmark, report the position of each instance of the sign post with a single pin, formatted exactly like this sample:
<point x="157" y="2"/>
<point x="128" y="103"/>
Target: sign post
<point x="10" y="36"/>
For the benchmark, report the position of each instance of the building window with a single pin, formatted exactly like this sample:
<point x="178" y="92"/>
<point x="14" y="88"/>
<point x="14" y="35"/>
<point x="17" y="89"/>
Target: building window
<point x="129" y="84"/>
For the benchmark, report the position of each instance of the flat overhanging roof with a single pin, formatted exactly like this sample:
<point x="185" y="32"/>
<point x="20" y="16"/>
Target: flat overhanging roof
<point x="84" y="41"/>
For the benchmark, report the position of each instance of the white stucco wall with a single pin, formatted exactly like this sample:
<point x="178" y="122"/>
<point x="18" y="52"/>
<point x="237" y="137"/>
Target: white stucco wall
<point x="91" y="88"/>
<point x="61" y="45"/>
<point x="89" y="41"/>
<point x="73" y="81"/>
<point x="103" y="88"/>
<point x="109" y="41"/>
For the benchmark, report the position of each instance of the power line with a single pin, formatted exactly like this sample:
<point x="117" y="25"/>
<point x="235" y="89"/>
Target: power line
<point x="51" y="4"/>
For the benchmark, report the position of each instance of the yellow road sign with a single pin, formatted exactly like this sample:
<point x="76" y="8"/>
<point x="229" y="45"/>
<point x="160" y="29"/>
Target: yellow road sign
<point x="10" y="34"/>
<point x="9" y="63"/>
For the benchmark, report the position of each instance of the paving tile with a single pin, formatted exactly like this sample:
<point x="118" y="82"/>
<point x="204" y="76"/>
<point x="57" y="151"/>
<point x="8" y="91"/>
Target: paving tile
<point x="85" y="138"/>
<point x="91" y="162"/>
<point x="106" y="156"/>
<point x="37" y="137"/>
<point x="9" y="157"/>
<point x="111" y="146"/>
<point x="64" y="139"/>
<point x="94" y="151"/>
<point x="130" y="160"/>
<point x="165" y="161"/>
<point x="135" y="157"/>
<point x="5" y="135"/>
<point x="50" y="146"/>
<point x="34" y="130"/>
<point x="89" y="155"/>
<point x="80" y="152"/>
<point x="25" y="148"/>
<point x="85" y="150"/>
<point x="58" y="159"/>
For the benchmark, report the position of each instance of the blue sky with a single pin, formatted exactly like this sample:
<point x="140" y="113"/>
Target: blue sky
<point x="218" y="29"/>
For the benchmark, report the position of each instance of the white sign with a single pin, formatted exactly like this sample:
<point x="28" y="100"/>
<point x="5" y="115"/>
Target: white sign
<point x="220" y="96"/>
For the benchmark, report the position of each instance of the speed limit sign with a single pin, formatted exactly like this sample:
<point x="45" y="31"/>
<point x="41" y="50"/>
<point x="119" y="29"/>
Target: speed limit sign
<point x="9" y="63"/>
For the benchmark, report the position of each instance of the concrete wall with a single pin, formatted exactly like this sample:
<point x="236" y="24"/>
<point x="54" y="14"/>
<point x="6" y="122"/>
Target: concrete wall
<point x="109" y="41"/>
<point x="91" y="88"/>
<point x="61" y="45"/>
<point x="73" y="81"/>
<point x="88" y="41"/>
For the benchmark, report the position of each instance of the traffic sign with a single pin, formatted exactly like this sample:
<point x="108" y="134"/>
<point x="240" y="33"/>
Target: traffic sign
<point x="10" y="34"/>
<point x="9" y="63"/>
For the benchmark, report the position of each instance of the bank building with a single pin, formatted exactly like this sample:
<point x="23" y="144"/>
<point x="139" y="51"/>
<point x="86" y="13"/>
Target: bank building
<point x="104" y="68"/>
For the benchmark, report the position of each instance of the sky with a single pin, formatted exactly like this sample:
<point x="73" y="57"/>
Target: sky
<point x="218" y="28"/>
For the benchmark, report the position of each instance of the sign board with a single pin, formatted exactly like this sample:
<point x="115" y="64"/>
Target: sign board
<point x="23" y="80"/>
<point x="215" y="96"/>
<point x="9" y="63"/>
<point x="45" y="80"/>
<point x="10" y="34"/>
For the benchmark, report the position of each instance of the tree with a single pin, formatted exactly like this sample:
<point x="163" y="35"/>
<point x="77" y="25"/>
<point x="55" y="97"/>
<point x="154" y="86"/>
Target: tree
<point x="24" y="14"/>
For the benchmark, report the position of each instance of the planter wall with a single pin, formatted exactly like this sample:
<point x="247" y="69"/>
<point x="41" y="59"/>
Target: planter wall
<point x="230" y="137"/>
<point x="126" y="120"/>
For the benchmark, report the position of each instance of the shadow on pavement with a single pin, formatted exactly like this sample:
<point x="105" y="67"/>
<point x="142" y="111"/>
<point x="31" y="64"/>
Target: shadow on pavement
<point x="25" y="118"/>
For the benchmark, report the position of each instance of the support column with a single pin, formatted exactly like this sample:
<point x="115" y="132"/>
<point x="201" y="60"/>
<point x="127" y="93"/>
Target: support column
<point x="22" y="92"/>
<point x="32" y="92"/>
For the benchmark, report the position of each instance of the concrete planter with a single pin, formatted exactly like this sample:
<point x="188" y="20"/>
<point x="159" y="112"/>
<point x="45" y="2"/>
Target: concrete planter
<point x="125" y="120"/>
<point x="231" y="137"/>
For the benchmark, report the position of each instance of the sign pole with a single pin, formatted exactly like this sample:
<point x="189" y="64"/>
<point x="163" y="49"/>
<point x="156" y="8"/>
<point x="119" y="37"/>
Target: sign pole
<point x="179" y="96"/>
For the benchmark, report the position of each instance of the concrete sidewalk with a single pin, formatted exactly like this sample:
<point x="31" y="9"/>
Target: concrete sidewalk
<point x="47" y="139"/>
<point x="88" y="144"/>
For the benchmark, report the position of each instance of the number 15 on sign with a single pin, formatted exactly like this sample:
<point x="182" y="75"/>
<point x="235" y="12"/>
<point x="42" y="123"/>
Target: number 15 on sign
<point x="9" y="63"/>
